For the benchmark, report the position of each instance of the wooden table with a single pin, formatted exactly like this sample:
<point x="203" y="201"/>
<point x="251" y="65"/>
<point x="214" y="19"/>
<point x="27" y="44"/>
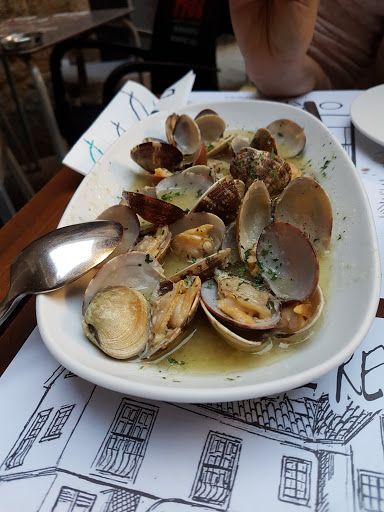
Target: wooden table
<point x="41" y="215"/>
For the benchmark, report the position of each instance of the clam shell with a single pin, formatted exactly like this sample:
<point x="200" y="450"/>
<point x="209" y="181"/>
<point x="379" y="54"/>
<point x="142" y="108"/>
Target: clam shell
<point x="222" y="146"/>
<point x="250" y="165"/>
<point x="204" y="268"/>
<point x="230" y="242"/>
<point x="133" y="269"/>
<point x="239" y="142"/>
<point x="263" y="140"/>
<point x="153" y="210"/>
<point x="194" y="220"/>
<point x="223" y="199"/>
<point x="173" y="336"/>
<point x="117" y="321"/>
<point x="151" y="155"/>
<point x="155" y="243"/>
<point x="210" y="297"/>
<point x="184" y="133"/>
<point x="305" y="204"/>
<point x="317" y="303"/>
<point x="211" y="125"/>
<point x="255" y="342"/>
<point x="287" y="261"/>
<point x="131" y="227"/>
<point x="190" y="186"/>
<point x="254" y="214"/>
<point x="289" y="137"/>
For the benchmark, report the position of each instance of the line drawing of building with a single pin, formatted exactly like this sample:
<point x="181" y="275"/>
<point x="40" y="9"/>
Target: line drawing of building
<point x="85" y="448"/>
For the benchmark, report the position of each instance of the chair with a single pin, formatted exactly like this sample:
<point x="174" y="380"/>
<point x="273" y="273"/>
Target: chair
<point x="183" y="38"/>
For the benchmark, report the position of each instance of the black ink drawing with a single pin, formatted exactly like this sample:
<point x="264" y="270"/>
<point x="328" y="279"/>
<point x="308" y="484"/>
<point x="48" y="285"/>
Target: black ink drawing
<point x="94" y="450"/>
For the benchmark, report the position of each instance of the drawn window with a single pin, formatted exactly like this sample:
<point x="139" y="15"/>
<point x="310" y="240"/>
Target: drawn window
<point x="55" y="428"/>
<point x="217" y="470"/>
<point x="371" y="491"/>
<point x="124" y="447"/>
<point x="295" y="480"/>
<point x="73" y="500"/>
<point x="17" y="457"/>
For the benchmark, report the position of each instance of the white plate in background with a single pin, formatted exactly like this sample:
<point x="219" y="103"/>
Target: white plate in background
<point x="351" y="297"/>
<point x="367" y="112"/>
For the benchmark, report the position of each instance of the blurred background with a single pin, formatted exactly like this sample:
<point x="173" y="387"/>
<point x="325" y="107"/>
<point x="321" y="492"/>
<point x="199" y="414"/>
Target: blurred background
<point x="192" y="33"/>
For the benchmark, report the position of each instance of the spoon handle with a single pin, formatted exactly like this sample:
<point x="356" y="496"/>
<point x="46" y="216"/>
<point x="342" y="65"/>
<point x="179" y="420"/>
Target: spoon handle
<point x="8" y="304"/>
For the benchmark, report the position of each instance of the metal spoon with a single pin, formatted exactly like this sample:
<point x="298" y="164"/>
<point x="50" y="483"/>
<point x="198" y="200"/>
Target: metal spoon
<point x="58" y="258"/>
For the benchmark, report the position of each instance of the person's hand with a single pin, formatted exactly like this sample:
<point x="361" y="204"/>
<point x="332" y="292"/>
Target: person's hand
<point x="274" y="36"/>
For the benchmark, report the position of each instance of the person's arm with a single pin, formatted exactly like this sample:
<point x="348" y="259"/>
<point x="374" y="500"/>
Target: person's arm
<point x="274" y="36"/>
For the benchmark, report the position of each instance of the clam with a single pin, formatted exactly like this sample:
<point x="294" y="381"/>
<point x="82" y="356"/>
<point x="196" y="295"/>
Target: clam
<point x="155" y="244"/>
<point x="117" y="321"/>
<point x="287" y="262"/>
<point x="235" y="301"/>
<point x="298" y="317"/>
<point x="251" y="164"/>
<point x="238" y="142"/>
<point x="131" y="227"/>
<point x="124" y="313"/>
<point x="196" y="240"/>
<point x="151" y="209"/>
<point x="305" y="204"/>
<point x="133" y="269"/>
<point x="152" y="155"/>
<point x="254" y="215"/>
<point x="210" y="124"/>
<point x="184" y="188"/>
<point x="223" y="199"/>
<point x="200" y="158"/>
<point x="171" y="313"/>
<point x="289" y="137"/>
<point x="220" y="146"/>
<point x="255" y="342"/>
<point x="183" y="132"/>
<point x="116" y="314"/>
<point x="263" y="140"/>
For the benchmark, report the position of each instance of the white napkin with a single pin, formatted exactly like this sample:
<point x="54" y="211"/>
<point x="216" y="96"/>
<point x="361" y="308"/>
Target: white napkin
<point x="131" y="104"/>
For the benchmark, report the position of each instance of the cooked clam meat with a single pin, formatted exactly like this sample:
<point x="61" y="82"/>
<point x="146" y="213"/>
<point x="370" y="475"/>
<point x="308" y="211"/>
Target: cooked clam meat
<point x="242" y="301"/>
<point x="194" y="243"/>
<point x="171" y="312"/>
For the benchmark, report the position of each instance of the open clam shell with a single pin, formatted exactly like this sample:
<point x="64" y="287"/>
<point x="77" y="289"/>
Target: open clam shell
<point x="151" y="209"/>
<point x="184" y="189"/>
<point x="156" y="243"/>
<point x="133" y="269"/>
<point x="170" y="315"/>
<point x="183" y="132"/>
<point x="288" y="325"/>
<point x="289" y="137"/>
<point x="210" y="124"/>
<point x="230" y="242"/>
<point x="287" y="262"/>
<point x="255" y="342"/>
<point x="194" y="220"/>
<point x="254" y="214"/>
<point x="151" y="155"/>
<point x="131" y="227"/>
<point x="209" y="295"/>
<point x="305" y="204"/>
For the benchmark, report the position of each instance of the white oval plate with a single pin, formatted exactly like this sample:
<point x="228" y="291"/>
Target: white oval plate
<point x="366" y="113"/>
<point x="352" y="294"/>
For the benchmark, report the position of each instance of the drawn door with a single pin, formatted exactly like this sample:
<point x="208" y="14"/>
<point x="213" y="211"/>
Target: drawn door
<point x="126" y="441"/>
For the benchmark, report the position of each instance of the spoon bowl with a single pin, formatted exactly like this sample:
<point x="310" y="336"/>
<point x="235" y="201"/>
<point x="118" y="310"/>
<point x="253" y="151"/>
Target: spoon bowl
<point x="58" y="258"/>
